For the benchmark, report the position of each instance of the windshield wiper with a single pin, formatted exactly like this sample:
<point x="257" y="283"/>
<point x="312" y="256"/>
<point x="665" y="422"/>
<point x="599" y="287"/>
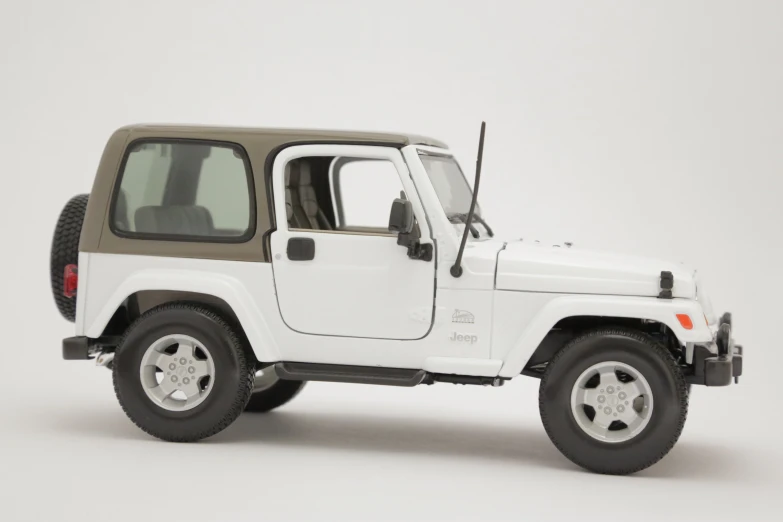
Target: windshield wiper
<point x="462" y="218"/>
<point x="484" y="224"/>
<point x="457" y="218"/>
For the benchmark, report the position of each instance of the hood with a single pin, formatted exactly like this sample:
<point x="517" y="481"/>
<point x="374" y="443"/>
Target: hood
<point x="532" y="266"/>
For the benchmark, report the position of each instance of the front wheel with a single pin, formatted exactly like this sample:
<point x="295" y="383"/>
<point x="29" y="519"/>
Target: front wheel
<point x="613" y="401"/>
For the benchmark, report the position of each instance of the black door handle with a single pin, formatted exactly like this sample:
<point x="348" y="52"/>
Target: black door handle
<point x="301" y="249"/>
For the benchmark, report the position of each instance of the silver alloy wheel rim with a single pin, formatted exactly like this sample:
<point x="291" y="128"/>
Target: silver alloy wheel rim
<point x="264" y="379"/>
<point x="621" y="407"/>
<point x="177" y="372"/>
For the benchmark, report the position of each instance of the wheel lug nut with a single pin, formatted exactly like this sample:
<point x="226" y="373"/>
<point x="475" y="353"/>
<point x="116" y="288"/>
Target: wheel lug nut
<point x="622" y="395"/>
<point x="183" y="361"/>
<point x="601" y="398"/>
<point x="610" y="389"/>
<point x="191" y="370"/>
<point x="607" y="410"/>
<point x="186" y="380"/>
<point x="172" y="366"/>
<point x="602" y="391"/>
<point x="620" y="408"/>
<point x="174" y="378"/>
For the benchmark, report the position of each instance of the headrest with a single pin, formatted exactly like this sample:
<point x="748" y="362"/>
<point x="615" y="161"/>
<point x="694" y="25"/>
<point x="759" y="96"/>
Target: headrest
<point x="291" y="174"/>
<point x="304" y="172"/>
<point x="176" y="220"/>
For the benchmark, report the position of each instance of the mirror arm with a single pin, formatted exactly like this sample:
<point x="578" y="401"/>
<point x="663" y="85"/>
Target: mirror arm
<point x="416" y="250"/>
<point x="422" y="252"/>
<point x="406" y="240"/>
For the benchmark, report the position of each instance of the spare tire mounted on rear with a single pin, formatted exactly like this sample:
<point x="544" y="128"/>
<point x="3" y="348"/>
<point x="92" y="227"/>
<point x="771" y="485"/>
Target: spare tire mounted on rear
<point x="65" y="251"/>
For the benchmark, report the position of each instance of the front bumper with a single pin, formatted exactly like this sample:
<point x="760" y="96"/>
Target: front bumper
<point x="718" y="362"/>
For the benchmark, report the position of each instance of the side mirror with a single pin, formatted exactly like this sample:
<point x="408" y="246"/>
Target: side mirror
<point x="402" y="222"/>
<point x="401" y="217"/>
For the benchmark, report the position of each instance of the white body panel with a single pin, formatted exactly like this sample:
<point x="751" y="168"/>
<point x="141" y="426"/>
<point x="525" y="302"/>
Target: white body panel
<point x="363" y="302"/>
<point x="81" y="290"/>
<point x="463" y="366"/>
<point x="248" y="288"/>
<point x="523" y="319"/>
<point x="537" y="267"/>
<point x="357" y="286"/>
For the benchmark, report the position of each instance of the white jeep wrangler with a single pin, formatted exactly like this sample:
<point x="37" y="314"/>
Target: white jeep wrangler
<point x="216" y="270"/>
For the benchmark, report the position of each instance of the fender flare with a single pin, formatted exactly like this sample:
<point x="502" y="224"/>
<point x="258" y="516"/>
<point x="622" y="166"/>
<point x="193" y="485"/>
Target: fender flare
<point x="218" y="285"/>
<point x="660" y="310"/>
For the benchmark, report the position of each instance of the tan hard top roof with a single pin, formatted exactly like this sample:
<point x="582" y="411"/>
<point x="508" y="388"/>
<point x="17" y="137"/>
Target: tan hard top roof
<point x="295" y="134"/>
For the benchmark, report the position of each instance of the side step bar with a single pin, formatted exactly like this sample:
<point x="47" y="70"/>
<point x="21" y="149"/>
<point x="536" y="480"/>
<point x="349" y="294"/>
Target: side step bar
<point x="295" y="371"/>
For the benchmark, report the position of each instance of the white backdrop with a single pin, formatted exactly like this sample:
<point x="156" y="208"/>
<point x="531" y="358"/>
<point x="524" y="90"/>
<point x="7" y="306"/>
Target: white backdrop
<point x="646" y="127"/>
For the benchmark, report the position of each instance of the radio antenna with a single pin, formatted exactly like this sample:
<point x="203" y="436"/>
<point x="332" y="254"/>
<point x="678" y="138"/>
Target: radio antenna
<point x="456" y="270"/>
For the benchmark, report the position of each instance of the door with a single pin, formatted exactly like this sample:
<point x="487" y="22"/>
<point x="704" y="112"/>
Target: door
<point x="337" y="269"/>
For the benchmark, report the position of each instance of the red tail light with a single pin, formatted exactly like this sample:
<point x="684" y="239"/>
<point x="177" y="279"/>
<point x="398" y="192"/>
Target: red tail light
<point x="70" y="280"/>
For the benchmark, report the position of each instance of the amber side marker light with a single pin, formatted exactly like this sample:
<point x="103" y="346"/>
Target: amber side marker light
<point x="685" y="321"/>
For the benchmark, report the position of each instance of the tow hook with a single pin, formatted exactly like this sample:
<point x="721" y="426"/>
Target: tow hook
<point x="104" y="359"/>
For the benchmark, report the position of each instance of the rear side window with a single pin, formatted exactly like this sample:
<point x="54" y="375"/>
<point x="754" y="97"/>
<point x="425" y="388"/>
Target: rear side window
<point x="184" y="190"/>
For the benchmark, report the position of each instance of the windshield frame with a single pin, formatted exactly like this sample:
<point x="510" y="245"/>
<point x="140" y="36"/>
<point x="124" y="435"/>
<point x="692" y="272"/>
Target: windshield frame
<point x="435" y="152"/>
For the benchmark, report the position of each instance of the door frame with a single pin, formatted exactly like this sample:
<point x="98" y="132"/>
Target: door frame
<point x="425" y="312"/>
<point x="336" y="150"/>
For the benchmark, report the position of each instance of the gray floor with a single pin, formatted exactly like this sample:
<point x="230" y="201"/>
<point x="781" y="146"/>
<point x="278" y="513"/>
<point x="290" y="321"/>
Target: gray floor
<point x="365" y="453"/>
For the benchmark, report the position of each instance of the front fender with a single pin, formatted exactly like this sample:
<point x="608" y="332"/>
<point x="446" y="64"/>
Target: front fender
<point x="562" y="307"/>
<point x="111" y="283"/>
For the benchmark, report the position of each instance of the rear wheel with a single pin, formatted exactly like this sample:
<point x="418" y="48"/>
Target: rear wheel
<point x="270" y="392"/>
<point x="181" y="373"/>
<point x="613" y="401"/>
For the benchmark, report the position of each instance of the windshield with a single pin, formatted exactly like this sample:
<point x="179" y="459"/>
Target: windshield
<point x="450" y="184"/>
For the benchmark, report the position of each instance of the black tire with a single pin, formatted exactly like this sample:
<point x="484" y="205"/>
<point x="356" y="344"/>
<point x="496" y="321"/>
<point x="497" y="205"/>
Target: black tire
<point x="653" y="361"/>
<point x="65" y="251"/>
<point x="278" y="394"/>
<point x="233" y="380"/>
